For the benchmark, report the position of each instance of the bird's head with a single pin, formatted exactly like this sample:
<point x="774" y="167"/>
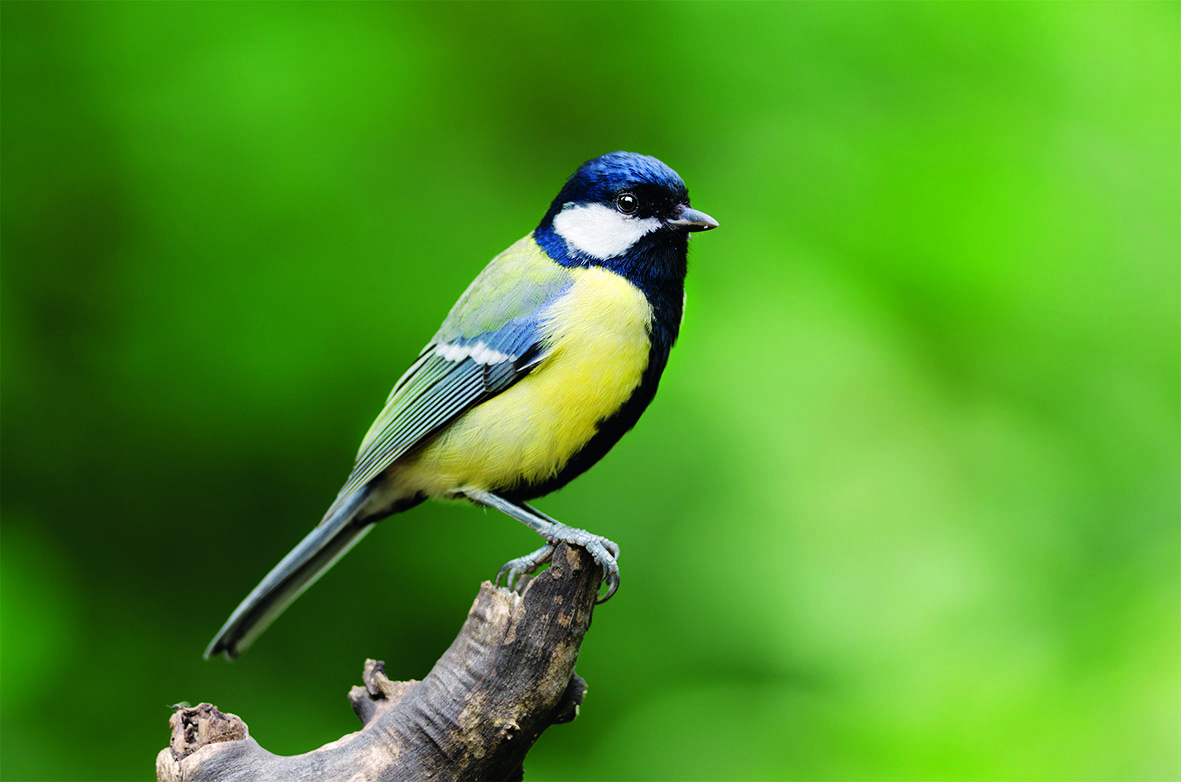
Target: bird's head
<point x="615" y="204"/>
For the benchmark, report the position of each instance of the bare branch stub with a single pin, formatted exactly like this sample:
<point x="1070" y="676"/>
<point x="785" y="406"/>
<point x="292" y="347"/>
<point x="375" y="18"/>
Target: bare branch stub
<point x="507" y="677"/>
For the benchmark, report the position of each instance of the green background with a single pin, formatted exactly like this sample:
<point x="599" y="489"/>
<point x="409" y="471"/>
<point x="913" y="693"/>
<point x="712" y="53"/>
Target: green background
<point x="906" y="506"/>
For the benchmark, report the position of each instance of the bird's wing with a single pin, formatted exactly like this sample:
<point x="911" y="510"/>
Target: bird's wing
<point x="492" y="338"/>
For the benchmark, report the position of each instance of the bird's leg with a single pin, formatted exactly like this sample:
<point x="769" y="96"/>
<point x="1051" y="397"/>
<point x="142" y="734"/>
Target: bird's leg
<point x="604" y="551"/>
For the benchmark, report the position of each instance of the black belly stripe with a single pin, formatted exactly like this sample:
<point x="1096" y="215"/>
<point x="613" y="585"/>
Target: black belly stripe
<point x="607" y="435"/>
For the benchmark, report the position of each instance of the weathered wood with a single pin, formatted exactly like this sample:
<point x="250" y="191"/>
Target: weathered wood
<point x="507" y="677"/>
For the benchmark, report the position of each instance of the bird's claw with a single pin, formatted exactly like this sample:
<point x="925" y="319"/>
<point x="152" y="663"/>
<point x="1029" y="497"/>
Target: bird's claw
<point x="604" y="552"/>
<point x="523" y="566"/>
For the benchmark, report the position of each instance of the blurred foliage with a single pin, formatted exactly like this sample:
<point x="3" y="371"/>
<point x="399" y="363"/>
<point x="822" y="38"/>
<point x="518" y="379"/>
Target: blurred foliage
<point x="906" y="506"/>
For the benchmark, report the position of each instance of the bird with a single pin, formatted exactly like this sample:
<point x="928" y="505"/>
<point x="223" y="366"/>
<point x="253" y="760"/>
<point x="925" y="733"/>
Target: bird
<point x="546" y="360"/>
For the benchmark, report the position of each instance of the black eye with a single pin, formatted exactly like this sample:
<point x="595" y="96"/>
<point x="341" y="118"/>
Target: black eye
<point x="627" y="203"/>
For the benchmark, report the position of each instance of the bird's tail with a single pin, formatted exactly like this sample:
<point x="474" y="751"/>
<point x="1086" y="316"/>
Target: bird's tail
<point x="317" y="552"/>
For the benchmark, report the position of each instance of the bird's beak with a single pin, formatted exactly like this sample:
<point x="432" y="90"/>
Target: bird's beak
<point x="691" y="219"/>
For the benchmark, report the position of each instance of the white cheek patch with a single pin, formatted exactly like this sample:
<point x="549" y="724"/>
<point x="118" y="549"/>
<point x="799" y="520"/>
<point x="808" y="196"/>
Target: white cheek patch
<point x="599" y="231"/>
<point x="479" y="352"/>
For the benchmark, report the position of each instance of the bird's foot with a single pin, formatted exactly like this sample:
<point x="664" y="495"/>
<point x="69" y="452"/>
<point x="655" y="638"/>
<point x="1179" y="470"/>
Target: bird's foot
<point x="605" y="553"/>
<point x="522" y="567"/>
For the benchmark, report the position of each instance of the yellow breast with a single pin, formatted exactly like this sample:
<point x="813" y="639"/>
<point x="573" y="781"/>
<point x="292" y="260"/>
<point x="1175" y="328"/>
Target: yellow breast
<point x="599" y="338"/>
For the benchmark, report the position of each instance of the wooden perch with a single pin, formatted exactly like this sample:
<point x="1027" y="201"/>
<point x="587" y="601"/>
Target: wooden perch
<point x="507" y="677"/>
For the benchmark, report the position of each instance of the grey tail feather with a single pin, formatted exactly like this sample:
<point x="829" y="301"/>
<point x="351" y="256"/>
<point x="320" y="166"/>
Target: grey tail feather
<point x="328" y="542"/>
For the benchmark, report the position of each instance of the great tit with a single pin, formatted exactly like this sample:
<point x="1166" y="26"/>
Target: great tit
<point x="546" y="360"/>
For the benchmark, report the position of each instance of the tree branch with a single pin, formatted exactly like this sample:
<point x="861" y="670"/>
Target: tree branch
<point x="507" y="677"/>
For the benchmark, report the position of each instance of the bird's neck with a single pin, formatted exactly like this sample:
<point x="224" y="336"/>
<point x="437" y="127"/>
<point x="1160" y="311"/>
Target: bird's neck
<point x="656" y="264"/>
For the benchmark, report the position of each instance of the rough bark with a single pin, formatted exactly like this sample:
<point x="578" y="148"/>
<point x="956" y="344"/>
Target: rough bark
<point x="507" y="677"/>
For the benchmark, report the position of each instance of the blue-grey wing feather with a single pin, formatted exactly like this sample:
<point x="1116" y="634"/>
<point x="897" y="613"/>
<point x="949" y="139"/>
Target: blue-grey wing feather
<point x="461" y="367"/>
